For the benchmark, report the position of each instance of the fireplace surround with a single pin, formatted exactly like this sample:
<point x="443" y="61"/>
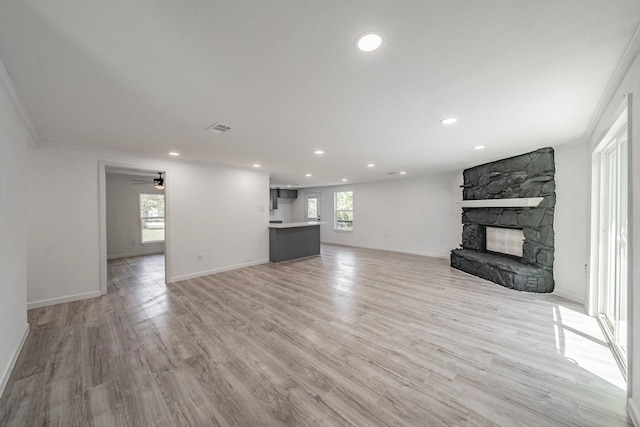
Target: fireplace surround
<point x="526" y="176"/>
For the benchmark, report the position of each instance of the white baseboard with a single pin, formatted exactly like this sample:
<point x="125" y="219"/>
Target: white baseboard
<point x="138" y="253"/>
<point x="14" y="358"/>
<point x="567" y="296"/>
<point x="634" y="412"/>
<point x="60" y="300"/>
<point x="215" y="270"/>
<point x="379" y="248"/>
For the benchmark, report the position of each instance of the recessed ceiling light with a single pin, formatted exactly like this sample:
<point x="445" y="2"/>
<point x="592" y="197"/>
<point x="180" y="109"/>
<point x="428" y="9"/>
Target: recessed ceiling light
<point x="449" y="120"/>
<point x="318" y="152"/>
<point x="370" y="165"/>
<point x="478" y="147"/>
<point x="308" y="175"/>
<point x="256" y="165"/>
<point x="344" y="179"/>
<point x="174" y="153"/>
<point x="403" y="173"/>
<point x="288" y="185"/>
<point x="368" y="42"/>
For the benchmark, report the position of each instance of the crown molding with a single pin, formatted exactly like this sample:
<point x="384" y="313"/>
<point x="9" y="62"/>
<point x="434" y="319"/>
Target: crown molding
<point x="33" y="137"/>
<point x="631" y="52"/>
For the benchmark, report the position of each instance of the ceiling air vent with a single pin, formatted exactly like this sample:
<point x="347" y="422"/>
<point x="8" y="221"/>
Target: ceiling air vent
<point x="219" y="128"/>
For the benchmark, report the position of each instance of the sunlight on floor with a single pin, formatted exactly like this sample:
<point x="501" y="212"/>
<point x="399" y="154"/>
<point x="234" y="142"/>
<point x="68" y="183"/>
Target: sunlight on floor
<point x="580" y="339"/>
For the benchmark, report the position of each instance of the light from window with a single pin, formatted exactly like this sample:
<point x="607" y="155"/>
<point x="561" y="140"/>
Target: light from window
<point x="344" y="210"/>
<point x="152" y="217"/>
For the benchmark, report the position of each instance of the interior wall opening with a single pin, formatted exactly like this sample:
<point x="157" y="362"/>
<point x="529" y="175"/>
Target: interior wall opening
<point x="134" y="232"/>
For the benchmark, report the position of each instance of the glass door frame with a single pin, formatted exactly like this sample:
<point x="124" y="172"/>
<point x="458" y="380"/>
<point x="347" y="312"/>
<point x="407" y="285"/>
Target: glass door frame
<point x="610" y="204"/>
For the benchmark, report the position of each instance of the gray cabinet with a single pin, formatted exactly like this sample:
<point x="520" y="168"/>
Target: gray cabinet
<point x="273" y="199"/>
<point x="283" y="193"/>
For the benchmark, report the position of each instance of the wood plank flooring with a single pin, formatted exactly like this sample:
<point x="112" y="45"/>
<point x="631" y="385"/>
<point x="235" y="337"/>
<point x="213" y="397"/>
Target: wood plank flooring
<point x="351" y="337"/>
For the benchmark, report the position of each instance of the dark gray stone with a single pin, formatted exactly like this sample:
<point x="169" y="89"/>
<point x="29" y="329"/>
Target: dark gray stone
<point x="517" y="178"/>
<point x="528" y="175"/>
<point x="547" y="219"/>
<point x="530" y="189"/>
<point x="518" y="163"/>
<point x="508" y="193"/>
<point x="481" y="216"/>
<point x="497" y="186"/>
<point x="548" y="202"/>
<point x="541" y="162"/>
<point x="546" y="235"/>
<point x="542" y="178"/>
<point x="508" y="218"/>
<point x="504" y="271"/>
<point x="530" y="217"/>
<point x="548" y="188"/>
<point x="531" y="234"/>
<point x="545" y="258"/>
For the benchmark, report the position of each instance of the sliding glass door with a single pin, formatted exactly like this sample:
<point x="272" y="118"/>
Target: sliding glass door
<point x="612" y="288"/>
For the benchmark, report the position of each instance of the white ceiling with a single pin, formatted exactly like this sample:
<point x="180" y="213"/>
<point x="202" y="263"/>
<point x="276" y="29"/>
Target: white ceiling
<point x="149" y="76"/>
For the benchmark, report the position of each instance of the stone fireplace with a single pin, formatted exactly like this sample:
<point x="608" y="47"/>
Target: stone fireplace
<point x="507" y="218"/>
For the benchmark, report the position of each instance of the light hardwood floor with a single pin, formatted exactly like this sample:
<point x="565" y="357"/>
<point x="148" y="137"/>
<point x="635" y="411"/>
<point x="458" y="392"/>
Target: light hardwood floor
<point x="351" y="337"/>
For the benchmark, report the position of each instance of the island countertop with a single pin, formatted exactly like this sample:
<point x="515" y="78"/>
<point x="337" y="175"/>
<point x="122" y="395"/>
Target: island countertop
<point x="296" y="224"/>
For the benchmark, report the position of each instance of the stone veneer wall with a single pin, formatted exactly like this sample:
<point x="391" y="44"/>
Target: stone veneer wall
<point x="527" y="175"/>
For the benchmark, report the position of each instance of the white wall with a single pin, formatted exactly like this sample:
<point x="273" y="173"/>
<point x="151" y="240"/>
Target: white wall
<point x="413" y="215"/>
<point x="220" y="212"/>
<point x="123" y="216"/>
<point x="13" y="232"/>
<point x="571" y="221"/>
<point x="630" y="84"/>
<point x="284" y="212"/>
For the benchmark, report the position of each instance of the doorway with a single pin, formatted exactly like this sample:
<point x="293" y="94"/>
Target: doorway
<point x="133" y="232"/>
<point x="312" y="207"/>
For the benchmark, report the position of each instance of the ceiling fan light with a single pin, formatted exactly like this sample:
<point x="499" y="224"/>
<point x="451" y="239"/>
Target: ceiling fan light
<point x="159" y="186"/>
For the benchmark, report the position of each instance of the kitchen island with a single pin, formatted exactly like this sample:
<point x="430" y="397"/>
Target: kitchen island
<point x="294" y="240"/>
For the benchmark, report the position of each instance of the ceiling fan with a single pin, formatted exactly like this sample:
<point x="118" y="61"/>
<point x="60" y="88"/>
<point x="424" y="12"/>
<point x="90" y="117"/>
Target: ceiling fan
<point x="157" y="182"/>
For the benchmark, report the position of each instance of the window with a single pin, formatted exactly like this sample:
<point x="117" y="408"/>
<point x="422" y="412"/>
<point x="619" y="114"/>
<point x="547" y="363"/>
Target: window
<point x="344" y="210"/>
<point x="152" y="217"/>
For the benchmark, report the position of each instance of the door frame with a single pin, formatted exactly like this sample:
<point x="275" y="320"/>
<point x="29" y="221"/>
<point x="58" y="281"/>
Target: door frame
<point x="596" y="257"/>
<point x="307" y="196"/>
<point x="102" y="218"/>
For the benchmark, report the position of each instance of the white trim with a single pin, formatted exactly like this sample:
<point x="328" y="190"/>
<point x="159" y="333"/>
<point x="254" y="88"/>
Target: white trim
<point x="152" y="251"/>
<point x="634" y="412"/>
<point x="380" y="248"/>
<point x="34" y="138"/>
<point x="567" y="295"/>
<point x="61" y="300"/>
<point x="216" y="270"/>
<point x="7" y="372"/>
<point x="524" y="202"/>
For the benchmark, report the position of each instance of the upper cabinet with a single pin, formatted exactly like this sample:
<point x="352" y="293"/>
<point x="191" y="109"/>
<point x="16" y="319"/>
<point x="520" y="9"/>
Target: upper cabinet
<point x="287" y="194"/>
<point x="282" y="193"/>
